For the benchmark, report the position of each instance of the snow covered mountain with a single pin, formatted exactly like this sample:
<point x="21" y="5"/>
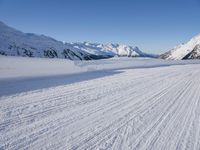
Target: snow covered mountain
<point x="194" y="54"/>
<point x="111" y="49"/>
<point x="189" y="50"/>
<point x="17" y="43"/>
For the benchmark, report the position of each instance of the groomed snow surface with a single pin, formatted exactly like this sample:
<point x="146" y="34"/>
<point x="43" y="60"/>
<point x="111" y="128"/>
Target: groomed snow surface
<point x="106" y="104"/>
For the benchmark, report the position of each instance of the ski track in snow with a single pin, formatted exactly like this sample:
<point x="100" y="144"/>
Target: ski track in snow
<point x="155" y="108"/>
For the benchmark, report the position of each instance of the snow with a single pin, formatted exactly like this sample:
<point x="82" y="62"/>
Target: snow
<point x="182" y="50"/>
<point x="17" y="43"/>
<point x="109" y="49"/>
<point x="23" y="67"/>
<point x="105" y="104"/>
<point x="19" y="67"/>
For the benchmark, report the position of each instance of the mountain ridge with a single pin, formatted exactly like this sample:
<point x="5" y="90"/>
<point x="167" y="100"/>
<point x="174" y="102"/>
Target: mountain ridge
<point x="16" y="43"/>
<point x="184" y="51"/>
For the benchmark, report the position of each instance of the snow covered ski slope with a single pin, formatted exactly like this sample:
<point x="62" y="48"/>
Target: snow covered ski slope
<point x="144" y="108"/>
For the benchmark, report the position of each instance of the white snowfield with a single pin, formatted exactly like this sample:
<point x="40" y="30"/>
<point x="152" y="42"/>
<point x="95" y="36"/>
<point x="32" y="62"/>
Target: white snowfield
<point x="25" y="67"/>
<point x="143" y="106"/>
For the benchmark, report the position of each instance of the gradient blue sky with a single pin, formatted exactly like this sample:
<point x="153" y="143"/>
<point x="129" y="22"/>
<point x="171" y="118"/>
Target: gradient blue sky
<point x="153" y="25"/>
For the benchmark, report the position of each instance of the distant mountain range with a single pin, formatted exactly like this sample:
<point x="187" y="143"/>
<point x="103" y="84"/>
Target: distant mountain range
<point x="17" y="43"/>
<point x="189" y="50"/>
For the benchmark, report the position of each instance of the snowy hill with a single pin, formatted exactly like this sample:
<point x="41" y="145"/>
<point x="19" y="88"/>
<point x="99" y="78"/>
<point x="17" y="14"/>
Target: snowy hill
<point x="17" y="43"/>
<point x="189" y="50"/>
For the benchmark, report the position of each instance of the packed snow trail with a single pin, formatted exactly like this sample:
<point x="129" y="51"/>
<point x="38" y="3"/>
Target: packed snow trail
<point x="154" y="108"/>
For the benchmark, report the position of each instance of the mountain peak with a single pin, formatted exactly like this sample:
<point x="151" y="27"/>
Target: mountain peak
<point x="17" y="43"/>
<point x="182" y="50"/>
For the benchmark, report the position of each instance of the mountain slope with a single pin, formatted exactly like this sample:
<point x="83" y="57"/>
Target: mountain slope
<point x="112" y="49"/>
<point x="184" y="50"/>
<point x="194" y="54"/>
<point x="17" y="43"/>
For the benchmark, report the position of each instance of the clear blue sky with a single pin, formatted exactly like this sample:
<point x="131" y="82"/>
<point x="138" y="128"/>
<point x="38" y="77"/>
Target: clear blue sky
<point x="153" y="25"/>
